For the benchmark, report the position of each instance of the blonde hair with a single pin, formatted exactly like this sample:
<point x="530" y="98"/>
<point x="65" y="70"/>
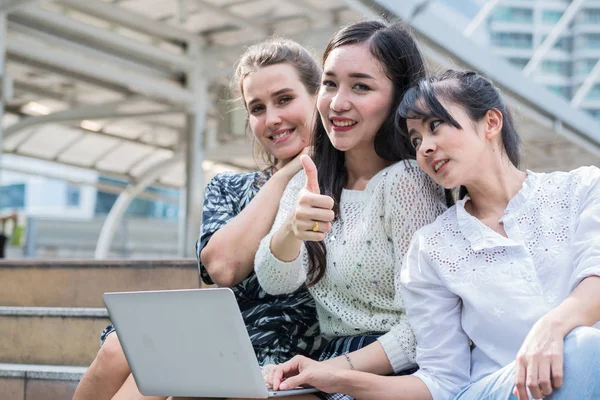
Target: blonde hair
<point x="271" y="52"/>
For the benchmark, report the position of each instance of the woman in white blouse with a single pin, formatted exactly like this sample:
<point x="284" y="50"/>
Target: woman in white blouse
<point x="503" y="289"/>
<point x="345" y="222"/>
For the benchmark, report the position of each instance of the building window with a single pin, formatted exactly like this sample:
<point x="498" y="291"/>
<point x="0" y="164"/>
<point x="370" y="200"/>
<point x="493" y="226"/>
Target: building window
<point x="556" y="67"/>
<point x="560" y="90"/>
<point x="551" y="16"/>
<point x="140" y="207"/>
<point x="513" y="14"/>
<point x="589" y="16"/>
<point x="585" y="66"/>
<point x="518" y="62"/>
<point x="560" y="43"/>
<point x="512" y="40"/>
<point x="73" y="195"/>
<point x="594" y="93"/>
<point x="590" y="41"/>
<point x="12" y="196"/>
<point x="594" y="113"/>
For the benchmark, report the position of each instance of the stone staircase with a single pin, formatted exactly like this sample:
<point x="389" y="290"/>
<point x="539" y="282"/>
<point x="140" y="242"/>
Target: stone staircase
<point x="52" y="314"/>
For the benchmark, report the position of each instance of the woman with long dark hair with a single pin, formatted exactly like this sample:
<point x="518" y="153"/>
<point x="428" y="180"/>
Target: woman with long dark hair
<point x="345" y="222"/>
<point x="503" y="289"/>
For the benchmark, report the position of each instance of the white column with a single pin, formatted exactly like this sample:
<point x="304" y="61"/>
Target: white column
<point x="4" y="82"/>
<point x="113" y="219"/>
<point x="194" y="155"/>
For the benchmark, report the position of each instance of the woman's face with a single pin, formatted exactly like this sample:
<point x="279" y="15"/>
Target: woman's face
<point x="449" y="155"/>
<point x="280" y="109"/>
<point x="355" y="97"/>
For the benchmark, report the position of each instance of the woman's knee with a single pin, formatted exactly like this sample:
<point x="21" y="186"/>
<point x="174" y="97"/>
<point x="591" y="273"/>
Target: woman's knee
<point x="583" y="343"/>
<point x="111" y="354"/>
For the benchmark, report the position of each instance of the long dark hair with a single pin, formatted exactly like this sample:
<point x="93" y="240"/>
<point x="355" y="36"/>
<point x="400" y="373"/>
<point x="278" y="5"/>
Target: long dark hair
<point x="397" y="52"/>
<point x="467" y="89"/>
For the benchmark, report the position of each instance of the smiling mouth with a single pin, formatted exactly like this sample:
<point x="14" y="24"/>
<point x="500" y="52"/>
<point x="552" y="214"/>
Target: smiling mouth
<point x="343" y="124"/>
<point x="439" y="165"/>
<point x="281" y="135"/>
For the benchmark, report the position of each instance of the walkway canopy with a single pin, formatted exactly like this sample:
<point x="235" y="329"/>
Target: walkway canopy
<point x="137" y="89"/>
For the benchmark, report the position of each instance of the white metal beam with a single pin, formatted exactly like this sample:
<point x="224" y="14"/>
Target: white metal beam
<point x="125" y="198"/>
<point x="12" y="5"/>
<point x="547" y="44"/>
<point x="143" y="67"/>
<point x="587" y="84"/>
<point x="235" y="18"/>
<point x="70" y="62"/>
<point x="121" y="16"/>
<point x="101" y="38"/>
<point x="91" y="111"/>
<point x="481" y="16"/>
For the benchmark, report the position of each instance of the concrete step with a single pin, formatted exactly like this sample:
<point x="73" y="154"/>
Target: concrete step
<point x="39" y="283"/>
<point x="38" y="382"/>
<point x="50" y="335"/>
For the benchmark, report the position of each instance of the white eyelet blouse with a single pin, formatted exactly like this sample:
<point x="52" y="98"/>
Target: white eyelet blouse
<point x="461" y="280"/>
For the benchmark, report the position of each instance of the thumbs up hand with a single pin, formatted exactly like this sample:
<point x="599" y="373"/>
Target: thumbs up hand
<point x="313" y="214"/>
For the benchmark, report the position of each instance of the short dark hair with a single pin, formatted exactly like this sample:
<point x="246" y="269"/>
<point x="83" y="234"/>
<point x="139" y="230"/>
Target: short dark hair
<point x="467" y="89"/>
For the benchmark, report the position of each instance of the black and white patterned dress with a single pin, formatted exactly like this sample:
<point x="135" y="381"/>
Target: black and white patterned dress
<point x="280" y="327"/>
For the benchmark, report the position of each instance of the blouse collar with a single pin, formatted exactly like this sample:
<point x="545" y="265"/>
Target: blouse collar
<point x="479" y="235"/>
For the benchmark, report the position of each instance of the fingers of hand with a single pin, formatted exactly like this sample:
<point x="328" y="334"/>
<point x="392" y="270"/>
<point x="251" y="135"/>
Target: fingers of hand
<point x="310" y="169"/>
<point x="520" y="379"/>
<point x="293" y="382"/>
<point x="306" y="198"/>
<point x="544" y="381"/>
<point x="532" y="377"/>
<point x="312" y="208"/>
<point x="277" y="378"/>
<point x="557" y="369"/>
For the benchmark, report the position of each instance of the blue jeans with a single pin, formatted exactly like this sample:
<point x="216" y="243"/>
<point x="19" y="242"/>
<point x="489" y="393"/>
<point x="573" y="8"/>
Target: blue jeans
<point x="581" y="378"/>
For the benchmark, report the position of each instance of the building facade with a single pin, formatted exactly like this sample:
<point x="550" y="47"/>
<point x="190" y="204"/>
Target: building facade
<point x="517" y="28"/>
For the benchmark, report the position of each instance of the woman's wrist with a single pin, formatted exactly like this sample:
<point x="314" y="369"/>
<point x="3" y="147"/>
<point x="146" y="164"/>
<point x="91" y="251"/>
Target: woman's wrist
<point x="559" y="323"/>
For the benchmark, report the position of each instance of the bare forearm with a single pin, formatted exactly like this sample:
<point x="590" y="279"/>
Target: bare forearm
<point x="580" y="308"/>
<point x="364" y="386"/>
<point x="371" y="358"/>
<point x="229" y="255"/>
<point x="285" y="246"/>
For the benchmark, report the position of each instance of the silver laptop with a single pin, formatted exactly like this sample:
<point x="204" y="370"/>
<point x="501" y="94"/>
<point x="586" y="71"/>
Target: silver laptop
<point x="189" y="343"/>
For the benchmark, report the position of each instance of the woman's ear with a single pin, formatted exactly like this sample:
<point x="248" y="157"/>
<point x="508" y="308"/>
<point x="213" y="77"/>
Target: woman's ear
<point x="493" y="123"/>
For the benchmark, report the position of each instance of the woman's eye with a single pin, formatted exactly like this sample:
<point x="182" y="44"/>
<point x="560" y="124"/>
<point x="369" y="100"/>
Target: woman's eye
<point x="361" y="87"/>
<point x="328" y="84"/>
<point x="416" y="142"/>
<point x="256" y="110"/>
<point x="285" y="100"/>
<point x="434" y="124"/>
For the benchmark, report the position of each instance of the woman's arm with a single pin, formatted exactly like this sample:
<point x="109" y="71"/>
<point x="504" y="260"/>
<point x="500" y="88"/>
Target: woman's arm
<point x="280" y="262"/>
<point x="298" y="227"/>
<point x="229" y="255"/>
<point x="357" y="384"/>
<point x="435" y="314"/>
<point x="539" y="364"/>
<point x="581" y="308"/>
